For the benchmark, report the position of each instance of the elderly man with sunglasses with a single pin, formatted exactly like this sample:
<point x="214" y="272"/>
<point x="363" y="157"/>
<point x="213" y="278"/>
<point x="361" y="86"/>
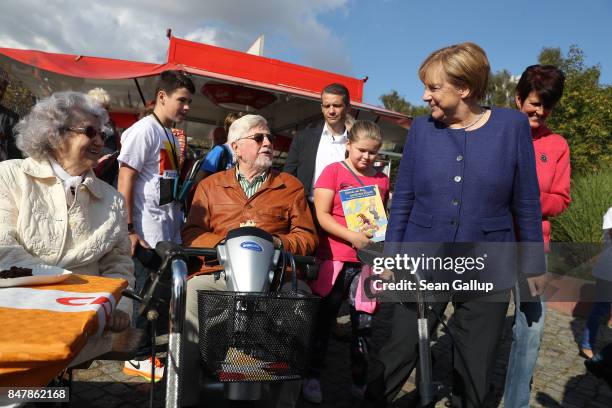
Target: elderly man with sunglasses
<point x="250" y="194"/>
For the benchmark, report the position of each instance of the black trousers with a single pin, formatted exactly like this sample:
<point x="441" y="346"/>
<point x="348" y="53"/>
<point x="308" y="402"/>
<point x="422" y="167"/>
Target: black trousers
<point x="479" y="323"/>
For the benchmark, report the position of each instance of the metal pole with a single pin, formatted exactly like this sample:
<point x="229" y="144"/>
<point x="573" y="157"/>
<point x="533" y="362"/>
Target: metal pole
<point x="293" y="271"/>
<point x="152" y="316"/>
<point x="177" y="317"/>
<point x="427" y="390"/>
<point x="144" y="101"/>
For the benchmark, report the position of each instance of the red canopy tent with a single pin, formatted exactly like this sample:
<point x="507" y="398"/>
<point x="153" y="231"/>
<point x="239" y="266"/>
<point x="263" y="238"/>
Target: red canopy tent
<point x="293" y="90"/>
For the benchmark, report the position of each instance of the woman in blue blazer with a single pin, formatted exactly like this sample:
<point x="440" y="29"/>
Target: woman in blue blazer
<point x="467" y="179"/>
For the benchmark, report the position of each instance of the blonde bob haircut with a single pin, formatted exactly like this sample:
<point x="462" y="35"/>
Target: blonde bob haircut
<point x="465" y="66"/>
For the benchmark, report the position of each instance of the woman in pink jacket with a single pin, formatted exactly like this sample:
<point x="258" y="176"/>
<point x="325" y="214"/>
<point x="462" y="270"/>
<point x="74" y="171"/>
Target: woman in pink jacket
<point x="537" y="92"/>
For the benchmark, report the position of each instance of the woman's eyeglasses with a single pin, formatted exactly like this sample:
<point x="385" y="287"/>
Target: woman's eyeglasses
<point x="88" y="131"/>
<point x="259" y="137"/>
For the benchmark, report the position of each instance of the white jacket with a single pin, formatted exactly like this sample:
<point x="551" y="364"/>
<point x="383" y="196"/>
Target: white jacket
<point x="37" y="227"/>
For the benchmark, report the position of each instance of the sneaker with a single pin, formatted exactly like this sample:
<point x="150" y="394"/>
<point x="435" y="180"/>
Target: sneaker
<point x="143" y="368"/>
<point x="311" y="391"/>
<point x="358" y="391"/>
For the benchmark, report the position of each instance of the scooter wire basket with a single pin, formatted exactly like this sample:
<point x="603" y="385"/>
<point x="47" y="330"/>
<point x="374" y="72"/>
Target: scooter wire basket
<point x="252" y="336"/>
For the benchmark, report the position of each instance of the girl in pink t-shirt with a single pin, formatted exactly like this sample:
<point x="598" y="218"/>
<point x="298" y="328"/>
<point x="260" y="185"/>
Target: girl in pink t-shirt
<point x="340" y="269"/>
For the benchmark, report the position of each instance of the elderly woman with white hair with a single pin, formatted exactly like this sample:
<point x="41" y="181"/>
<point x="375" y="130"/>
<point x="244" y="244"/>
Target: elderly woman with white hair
<point x="53" y="209"/>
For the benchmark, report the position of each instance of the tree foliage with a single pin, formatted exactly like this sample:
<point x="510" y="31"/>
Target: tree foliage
<point x="590" y="199"/>
<point x="501" y="89"/>
<point x="584" y="113"/>
<point x="18" y="98"/>
<point x="395" y="102"/>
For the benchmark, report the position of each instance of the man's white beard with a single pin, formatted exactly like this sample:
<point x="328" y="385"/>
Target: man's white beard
<point x="261" y="163"/>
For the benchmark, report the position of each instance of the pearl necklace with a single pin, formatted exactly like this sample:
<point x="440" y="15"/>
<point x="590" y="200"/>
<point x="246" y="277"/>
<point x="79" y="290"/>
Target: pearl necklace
<point x="473" y="123"/>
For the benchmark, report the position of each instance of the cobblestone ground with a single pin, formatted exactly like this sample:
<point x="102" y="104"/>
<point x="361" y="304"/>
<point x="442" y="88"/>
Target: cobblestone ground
<point x="560" y="377"/>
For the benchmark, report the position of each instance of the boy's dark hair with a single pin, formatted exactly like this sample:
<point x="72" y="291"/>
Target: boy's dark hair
<point x="338" y="89"/>
<point x="545" y="80"/>
<point x="170" y="81"/>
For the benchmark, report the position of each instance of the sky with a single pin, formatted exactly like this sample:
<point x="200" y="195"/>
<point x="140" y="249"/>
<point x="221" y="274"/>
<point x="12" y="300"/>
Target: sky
<point x="385" y="40"/>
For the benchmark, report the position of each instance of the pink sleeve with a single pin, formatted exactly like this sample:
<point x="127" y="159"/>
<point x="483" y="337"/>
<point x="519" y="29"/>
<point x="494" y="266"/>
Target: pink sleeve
<point x="328" y="178"/>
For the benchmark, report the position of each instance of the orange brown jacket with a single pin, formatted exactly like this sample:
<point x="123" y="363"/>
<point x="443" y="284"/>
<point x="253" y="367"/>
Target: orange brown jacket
<point x="278" y="207"/>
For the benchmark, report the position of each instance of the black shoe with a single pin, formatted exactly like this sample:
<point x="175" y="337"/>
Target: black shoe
<point x="599" y="370"/>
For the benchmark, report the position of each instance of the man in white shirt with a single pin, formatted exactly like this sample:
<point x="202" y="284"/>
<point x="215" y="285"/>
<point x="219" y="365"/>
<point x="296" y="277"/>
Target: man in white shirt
<point x="313" y="149"/>
<point x="149" y="168"/>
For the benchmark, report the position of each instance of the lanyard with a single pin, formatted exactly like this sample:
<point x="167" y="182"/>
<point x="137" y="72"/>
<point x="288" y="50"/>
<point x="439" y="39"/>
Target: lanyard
<point x="170" y="142"/>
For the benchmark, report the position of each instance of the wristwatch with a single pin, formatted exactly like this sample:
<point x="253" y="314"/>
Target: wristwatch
<point x="131" y="228"/>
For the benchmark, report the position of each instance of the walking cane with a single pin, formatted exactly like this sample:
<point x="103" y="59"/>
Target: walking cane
<point x="427" y="388"/>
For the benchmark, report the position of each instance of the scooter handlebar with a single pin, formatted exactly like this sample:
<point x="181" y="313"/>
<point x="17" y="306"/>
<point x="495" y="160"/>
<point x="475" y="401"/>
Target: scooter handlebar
<point x="212" y="253"/>
<point x="167" y="250"/>
<point x="205" y="252"/>
<point x="310" y="266"/>
<point x="305" y="260"/>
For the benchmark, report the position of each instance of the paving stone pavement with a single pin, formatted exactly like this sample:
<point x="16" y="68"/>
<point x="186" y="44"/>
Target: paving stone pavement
<point x="560" y="378"/>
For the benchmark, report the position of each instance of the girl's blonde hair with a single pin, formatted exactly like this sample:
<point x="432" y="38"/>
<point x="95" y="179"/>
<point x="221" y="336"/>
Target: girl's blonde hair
<point x="364" y="128"/>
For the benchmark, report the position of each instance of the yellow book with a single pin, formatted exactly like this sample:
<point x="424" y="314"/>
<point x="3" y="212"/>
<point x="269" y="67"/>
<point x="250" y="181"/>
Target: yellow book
<point x="364" y="211"/>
